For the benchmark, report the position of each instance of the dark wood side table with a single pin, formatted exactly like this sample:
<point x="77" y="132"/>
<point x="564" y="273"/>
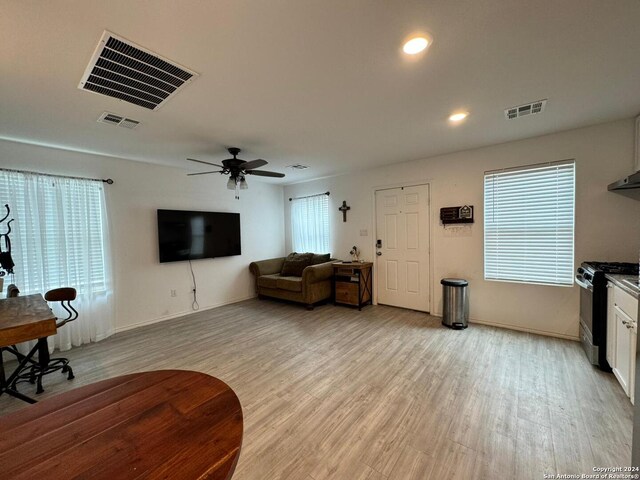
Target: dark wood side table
<point x="352" y="283"/>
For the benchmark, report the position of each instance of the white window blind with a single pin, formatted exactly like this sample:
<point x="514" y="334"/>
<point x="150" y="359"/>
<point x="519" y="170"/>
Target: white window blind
<point x="310" y="224"/>
<point x="58" y="236"/>
<point x="529" y="224"/>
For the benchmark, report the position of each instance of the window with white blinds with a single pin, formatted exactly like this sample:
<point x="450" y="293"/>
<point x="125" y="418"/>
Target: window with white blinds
<point x="310" y="224"/>
<point x="529" y="224"/>
<point x="58" y="232"/>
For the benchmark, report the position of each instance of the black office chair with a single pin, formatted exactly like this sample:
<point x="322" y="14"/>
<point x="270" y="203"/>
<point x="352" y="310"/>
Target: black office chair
<point x="35" y="372"/>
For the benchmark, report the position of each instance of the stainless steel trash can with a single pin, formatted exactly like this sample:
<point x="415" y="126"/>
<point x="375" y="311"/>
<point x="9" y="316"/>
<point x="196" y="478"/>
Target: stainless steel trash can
<point x="455" y="303"/>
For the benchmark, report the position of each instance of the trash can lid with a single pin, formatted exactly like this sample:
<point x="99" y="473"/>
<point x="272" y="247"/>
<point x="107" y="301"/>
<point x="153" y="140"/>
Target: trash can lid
<point x="454" y="282"/>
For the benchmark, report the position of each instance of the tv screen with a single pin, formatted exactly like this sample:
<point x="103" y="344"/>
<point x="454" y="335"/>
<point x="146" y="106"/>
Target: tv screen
<point x="188" y="235"/>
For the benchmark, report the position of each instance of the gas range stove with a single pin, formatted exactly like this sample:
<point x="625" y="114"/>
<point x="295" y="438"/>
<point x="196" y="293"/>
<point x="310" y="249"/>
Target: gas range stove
<point x="621" y="268"/>
<point x="594" y="272"/>
<point x="590" y="277"/>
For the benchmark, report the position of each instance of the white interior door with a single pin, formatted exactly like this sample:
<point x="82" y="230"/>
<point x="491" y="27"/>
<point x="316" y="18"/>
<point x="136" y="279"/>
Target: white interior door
<point x="402" y="248"/>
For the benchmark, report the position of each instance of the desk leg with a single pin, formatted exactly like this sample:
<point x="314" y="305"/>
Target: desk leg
<point x="3" y="378"/>
<point x="43" y="361"/>
<point x="5" y="384"/>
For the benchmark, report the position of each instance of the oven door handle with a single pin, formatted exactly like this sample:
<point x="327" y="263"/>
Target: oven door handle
<point x="583" y="284"/>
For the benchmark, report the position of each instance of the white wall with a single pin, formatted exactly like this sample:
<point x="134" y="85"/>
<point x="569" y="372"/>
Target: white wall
<point x="142" y="284"/>
<point x="607" y="224"/>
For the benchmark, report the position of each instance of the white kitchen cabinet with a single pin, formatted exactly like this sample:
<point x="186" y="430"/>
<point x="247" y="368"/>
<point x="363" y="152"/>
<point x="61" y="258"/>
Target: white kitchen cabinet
<point x="622" y="369"/>
<point x="622" y="325"/>
<point x="611" y="327"/>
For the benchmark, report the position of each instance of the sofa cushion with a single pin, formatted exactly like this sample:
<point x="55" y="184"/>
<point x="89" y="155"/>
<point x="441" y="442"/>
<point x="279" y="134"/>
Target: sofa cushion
<point x="268" y="281"/>
<point x="292" y="284"/>
<point x="295" y="263"/>
<point x="320" y="258"/>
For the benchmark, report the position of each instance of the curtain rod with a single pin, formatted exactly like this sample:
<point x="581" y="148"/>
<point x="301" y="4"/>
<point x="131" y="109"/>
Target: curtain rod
<point x="309" y="196"/>
<point x="104" y="180"/>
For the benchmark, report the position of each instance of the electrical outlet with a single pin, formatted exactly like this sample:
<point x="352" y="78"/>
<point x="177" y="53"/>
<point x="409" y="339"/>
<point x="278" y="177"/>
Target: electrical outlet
<point x="364" y="233"/>
<point x="174" y="293"/>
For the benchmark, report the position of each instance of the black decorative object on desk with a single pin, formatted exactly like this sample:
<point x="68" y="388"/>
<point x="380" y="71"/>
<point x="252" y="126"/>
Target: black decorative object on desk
<point x="6" y="262"/>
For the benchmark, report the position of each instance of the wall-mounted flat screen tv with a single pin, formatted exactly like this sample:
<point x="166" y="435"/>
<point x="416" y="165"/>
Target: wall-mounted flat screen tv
<point x="188" y="235"/>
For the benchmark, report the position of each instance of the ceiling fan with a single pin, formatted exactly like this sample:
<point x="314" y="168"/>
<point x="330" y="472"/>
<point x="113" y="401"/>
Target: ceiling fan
<point x="237" y="169"/>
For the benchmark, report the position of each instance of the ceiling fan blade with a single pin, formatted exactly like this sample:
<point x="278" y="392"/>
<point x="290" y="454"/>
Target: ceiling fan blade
<point x="204" y="173"/>
<point x="206" y="163"/>
<point x="253" y="164"/>
<point x="264" y="173"/>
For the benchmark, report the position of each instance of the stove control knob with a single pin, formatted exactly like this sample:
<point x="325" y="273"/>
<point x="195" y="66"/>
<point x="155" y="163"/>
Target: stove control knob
<point x="580" y="270"/>
<point x="587" y="276"/>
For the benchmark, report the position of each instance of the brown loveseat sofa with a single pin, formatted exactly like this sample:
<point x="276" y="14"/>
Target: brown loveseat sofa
<point x="313" y="286"/>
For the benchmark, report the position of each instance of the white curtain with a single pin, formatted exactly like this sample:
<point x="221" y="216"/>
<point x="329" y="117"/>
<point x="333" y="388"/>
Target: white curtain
<point x="60" y="238"/>
<point x="310" y="224"/>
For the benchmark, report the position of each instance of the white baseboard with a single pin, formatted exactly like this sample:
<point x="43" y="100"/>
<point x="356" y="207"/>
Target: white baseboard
<point x="519" y="328"/>
<point x="164" y="318"/>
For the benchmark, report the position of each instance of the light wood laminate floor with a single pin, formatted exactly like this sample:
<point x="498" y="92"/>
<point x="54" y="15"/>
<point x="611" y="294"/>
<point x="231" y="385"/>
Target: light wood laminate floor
<point x="381" y="394"/>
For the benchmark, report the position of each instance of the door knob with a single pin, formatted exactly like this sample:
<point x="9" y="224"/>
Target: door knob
<point x="378" y="253"/>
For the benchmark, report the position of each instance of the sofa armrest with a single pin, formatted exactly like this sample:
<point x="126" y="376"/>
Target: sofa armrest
<point x="317" y="273"/>
<point x="266" y="267"/>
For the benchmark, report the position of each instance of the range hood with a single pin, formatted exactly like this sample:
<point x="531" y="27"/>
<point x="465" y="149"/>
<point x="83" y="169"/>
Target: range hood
<point x="626" y="183"/>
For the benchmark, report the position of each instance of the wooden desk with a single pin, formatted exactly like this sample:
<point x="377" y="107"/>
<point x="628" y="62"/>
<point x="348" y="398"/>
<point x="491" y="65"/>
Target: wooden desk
<point x="23" y="319"/>
<point x="162" y="424"/>
<point x="352" y="283"/>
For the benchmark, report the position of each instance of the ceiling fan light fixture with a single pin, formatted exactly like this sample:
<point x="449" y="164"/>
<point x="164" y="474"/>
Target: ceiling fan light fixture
<point x="237" y="168"/>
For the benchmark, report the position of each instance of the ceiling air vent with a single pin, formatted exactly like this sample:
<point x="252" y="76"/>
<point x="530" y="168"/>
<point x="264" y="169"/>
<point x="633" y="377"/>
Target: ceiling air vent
<point x="298" y="166"/>
<point x="107" y="117"/>
<point x="113" y="119"/>
<point x="524" y="110"/>
<point x="128" y="72"/>
<point x="129" y="123"/>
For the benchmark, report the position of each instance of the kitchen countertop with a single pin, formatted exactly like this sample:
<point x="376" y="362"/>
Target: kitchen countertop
<point x="628" y="283"/>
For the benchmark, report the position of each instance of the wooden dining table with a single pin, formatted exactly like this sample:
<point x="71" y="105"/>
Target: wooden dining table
<point x="23" y="319"/>
<point x="162" y="424"/>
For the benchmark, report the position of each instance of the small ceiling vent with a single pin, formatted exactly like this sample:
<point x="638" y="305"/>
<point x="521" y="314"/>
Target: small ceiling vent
<point x="524" y="110"/>
<point x="298" y="166"/>
<point x="129" y="123"/>
<point x="113" y="119"/>
<point x="128" y="72"/>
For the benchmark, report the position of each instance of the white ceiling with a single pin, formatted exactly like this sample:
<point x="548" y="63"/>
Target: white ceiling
<point x="321" y="82"/>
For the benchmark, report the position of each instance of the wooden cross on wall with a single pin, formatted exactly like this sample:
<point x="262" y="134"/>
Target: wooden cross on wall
<point x="344" y="209"/>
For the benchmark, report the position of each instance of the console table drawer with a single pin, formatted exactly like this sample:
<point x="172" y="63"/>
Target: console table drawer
<point x="347" y="293"/>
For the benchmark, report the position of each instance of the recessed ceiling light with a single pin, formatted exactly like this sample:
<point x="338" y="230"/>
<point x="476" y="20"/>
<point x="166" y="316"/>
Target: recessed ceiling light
<point x="416" y="45"/>
<point x="458" y="117"/>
